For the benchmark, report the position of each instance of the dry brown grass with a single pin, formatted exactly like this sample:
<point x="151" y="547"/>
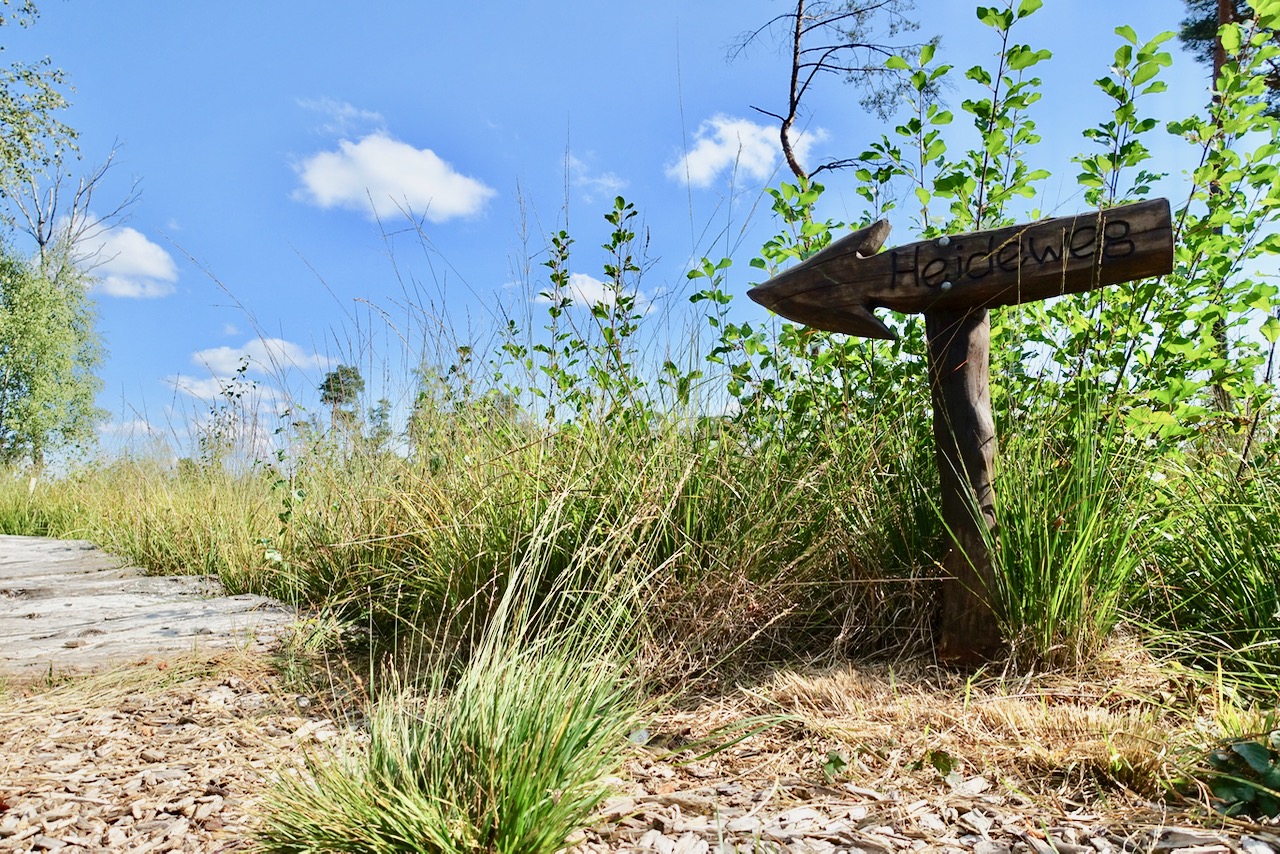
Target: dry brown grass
<point x="1113" y="737"/>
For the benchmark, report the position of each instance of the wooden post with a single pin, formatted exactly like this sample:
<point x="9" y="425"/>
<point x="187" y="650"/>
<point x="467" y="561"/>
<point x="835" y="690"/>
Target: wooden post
<point x="965" y="434"/>
<point x="953" y="280"/>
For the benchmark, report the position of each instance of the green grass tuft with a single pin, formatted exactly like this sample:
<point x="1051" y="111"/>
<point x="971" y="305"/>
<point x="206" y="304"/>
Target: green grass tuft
<point x="511" y="753"/>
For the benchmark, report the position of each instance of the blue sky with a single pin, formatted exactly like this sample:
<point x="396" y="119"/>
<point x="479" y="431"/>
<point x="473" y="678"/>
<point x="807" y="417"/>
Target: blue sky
<point x="260" y="133"/>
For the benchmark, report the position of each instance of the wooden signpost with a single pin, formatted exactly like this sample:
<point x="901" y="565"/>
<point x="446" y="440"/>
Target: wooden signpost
<point x="954" y="281"/>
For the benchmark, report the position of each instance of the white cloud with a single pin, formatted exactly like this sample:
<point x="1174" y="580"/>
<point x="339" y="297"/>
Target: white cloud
<point x="126" y="264"/>
<point x="230" y="329"/>
<point x="262" y="355"/>
<point x="342" y="118"/>
<point x="383" y="177"/>
<point x="593" y="185"/>
<point x="586" y="291"/>
<point x="724" y="143"/>
<point x="251" y="393"/>
<point x="209" y="388"/>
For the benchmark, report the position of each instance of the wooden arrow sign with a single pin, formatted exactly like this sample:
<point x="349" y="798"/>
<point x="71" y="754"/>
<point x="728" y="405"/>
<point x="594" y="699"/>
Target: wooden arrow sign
<point x="953" y="280"/>
<point x="837" y="288"/>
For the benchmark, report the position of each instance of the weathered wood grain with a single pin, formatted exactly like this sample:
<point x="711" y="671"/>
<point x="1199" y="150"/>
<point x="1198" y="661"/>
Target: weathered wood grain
<point x="965" y="435"/>
<point x="837" y="288"/>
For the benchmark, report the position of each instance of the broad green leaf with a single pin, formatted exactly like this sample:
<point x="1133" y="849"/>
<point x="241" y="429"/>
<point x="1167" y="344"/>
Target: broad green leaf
<point x="978" y="74"/>
<point x="1145" y="72"/>
<point x="1022" y="57"/>
<point x="1268" y="12"/>
<point x="1257" y="755"/>
<point x="1233" y="792"/>
<point x="996" y="18"/>
<point x="1127" y="33"/>
<point x="1229" y="35"/>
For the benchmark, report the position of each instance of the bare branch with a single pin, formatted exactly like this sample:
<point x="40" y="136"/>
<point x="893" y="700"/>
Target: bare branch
<point x="793" y="102"/>
<point x="745" y="40"/>
<point x="851" y="46"/>
<point x="66" y="231"/>
<point x="833" y="165"/>
<point x="769" y="114"/>
<point x="854" y="36"/>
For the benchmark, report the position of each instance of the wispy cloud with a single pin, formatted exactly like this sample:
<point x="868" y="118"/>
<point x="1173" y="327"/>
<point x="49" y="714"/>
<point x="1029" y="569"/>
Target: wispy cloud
<point x="380" y="176"/>
<point x="125" y="263"/>
<point x="593" y="185"/>
<point x="724" y="143"/>
<point x="343" y="119"/>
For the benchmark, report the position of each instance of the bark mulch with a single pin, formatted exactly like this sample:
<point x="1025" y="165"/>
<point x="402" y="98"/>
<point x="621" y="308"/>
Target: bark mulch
<point x="176" y="754"/>
<point x="164" y="755"/>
